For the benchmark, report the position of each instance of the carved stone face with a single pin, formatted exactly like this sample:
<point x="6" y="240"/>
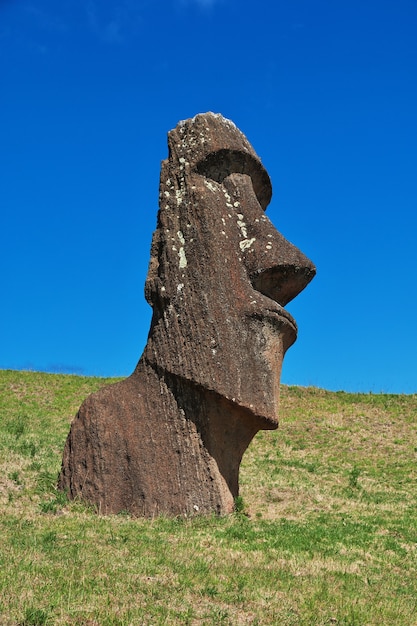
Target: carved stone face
<point x="220" y="273"/>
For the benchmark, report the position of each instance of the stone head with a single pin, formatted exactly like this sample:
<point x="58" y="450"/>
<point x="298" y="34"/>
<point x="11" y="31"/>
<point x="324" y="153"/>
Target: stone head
<point x="220" y="273"/>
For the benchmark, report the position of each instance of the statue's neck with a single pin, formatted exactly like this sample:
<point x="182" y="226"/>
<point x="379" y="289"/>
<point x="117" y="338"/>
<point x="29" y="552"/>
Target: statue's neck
<point x="224" y="429"/>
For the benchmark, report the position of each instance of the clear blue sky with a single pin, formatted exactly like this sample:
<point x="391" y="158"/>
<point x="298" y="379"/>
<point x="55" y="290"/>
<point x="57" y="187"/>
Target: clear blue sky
<point x="326" y="92"/>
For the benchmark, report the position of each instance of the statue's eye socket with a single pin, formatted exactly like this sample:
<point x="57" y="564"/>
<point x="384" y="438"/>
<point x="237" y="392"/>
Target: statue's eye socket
<point x="220" y="164"/>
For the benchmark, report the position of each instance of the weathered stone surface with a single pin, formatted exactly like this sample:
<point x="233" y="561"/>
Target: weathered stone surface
<point x="169" y="439"/>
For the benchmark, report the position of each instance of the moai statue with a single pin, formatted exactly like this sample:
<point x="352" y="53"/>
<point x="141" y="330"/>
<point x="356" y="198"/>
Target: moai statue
<point x="170" y="438"/>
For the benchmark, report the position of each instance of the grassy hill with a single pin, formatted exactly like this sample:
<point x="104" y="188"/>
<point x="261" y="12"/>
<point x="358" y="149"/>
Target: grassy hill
<point x="327" y="534"/>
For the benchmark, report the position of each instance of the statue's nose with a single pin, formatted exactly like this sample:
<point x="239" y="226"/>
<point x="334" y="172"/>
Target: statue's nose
<point x="277" y="268"/>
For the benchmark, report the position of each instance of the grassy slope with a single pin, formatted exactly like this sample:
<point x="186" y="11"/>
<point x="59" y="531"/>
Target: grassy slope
<point x="329" y="536"/>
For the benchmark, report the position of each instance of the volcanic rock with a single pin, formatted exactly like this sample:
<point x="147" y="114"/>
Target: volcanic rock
<point x="169" y="439"/>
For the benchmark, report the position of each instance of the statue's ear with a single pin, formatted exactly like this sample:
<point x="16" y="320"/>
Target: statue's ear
<point x="221" y="163"/>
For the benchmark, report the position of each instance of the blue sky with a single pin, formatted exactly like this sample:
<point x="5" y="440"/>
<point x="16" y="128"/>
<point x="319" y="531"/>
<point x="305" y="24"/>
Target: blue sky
<point x="325" y="91"/>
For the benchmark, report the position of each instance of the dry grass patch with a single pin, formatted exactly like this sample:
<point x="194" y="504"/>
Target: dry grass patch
<point x="333" y="451"/>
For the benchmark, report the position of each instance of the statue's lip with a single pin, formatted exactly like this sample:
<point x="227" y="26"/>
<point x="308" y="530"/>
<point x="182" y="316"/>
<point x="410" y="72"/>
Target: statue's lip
<point x="278" y="316"/>
<point x="281" y="314"/>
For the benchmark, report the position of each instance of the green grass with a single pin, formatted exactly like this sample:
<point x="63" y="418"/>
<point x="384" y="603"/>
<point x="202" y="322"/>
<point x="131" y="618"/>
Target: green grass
<point x="325" y="533"/>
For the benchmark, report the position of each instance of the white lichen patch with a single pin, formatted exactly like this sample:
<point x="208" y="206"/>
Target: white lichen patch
<point x="242" y="226"/>
<point x="246" y="243"/>
<point x="180" y="287"/>
<point x="236" y="204"/>
<point x="269" y="245"/>
<point x="210" y="185"/>
<point x="183" y="258"/>
<point x="181" y="251"/>
<point x="166" y="193"/>
<point x="183" y="164"/>
<point x="178" y="196"/>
